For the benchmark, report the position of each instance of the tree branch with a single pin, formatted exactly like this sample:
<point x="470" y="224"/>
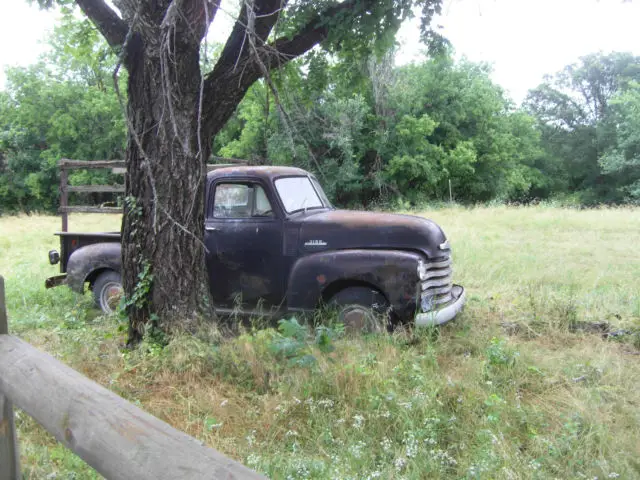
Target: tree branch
<point x="267" y="14"/>
<point x="236" y="48"/>
<point x="112" y="27"/>
<point x="236" y="70"/>
<point x="314" y="32"/>
<point x="193" y="16"/>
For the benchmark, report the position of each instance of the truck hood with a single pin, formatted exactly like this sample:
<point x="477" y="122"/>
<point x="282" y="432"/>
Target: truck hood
<point x="342" y="229"/>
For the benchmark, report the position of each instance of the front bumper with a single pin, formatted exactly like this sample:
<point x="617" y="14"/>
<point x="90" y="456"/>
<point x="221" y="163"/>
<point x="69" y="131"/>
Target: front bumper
<point x="443" y="315"/>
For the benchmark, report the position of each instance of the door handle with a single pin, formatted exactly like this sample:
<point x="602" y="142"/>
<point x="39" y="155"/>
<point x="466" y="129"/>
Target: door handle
<point x="211" y="229"/>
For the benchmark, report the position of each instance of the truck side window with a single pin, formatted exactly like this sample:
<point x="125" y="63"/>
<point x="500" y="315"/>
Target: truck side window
<point x="262" y="206"/>
<point x="237" y="200"/>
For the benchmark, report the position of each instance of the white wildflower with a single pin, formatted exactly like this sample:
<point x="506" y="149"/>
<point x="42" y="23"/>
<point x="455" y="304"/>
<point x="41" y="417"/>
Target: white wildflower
<point x="386" y="444"/>
<point x="400" y="463"/>
<point x="534" y="465"/>
<point x="326" y="403"/>
<point x="419" y="394"/>
<point x="358" y="421"/>
<point x="445" y="459"/>
<point x="357" y="448"/>
<point x="411" y="445"/>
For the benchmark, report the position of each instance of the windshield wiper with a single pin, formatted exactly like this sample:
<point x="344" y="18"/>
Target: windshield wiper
<point x="306" y="208"/>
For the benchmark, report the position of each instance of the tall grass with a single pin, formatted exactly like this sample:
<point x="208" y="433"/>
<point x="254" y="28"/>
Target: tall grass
<point x="519" y="386"/>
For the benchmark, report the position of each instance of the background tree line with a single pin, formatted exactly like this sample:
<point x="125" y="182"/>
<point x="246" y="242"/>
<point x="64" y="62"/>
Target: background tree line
<point x="376" y="134"/>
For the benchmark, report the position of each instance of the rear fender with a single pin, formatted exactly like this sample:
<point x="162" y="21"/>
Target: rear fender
<point x="86" y="260"/>
<point x="393" y="272"/>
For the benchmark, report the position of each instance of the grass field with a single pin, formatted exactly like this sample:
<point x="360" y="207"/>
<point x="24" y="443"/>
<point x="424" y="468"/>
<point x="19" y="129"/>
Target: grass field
<point x="520" y="386"/>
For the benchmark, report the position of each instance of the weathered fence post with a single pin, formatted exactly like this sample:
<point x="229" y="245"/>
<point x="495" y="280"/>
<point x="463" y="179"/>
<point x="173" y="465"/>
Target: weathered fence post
<point x="64" y="197"/>
<point x="9" y="454"/>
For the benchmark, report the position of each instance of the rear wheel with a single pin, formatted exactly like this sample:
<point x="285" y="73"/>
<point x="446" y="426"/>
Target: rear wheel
<point x="361" y="309"/>
<point x="107" y="291"/>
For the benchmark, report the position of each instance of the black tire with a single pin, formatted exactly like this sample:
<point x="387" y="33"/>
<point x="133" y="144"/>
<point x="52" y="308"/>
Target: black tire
<point x="107" y="290"/>
<point x="362" y="310"/>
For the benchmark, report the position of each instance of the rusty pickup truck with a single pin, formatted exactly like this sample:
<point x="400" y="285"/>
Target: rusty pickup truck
<point x="276" y="244"/>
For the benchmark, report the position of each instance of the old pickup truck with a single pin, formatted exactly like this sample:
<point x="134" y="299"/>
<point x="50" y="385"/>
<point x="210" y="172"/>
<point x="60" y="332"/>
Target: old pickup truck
<point x="276" y="244"/>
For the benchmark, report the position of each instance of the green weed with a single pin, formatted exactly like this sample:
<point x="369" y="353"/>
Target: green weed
<point x="516" y="387"/>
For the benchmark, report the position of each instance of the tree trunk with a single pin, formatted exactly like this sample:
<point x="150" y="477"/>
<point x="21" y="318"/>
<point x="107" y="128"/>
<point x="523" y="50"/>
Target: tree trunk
<point x="163" y="254"/>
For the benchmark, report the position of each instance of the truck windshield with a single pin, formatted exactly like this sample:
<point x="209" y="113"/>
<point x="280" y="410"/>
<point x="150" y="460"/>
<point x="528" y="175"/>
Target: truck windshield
<point x="298" y="193"/>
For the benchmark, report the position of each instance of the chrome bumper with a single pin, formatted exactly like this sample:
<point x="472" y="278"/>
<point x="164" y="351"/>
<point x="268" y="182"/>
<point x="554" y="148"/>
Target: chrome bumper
<point x="443" y="315"/>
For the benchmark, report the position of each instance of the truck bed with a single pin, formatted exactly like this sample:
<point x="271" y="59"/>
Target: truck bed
<point x="71" y="241"/>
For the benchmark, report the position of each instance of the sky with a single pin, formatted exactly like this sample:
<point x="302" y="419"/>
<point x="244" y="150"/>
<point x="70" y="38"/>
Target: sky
<point x="522" y="39"/>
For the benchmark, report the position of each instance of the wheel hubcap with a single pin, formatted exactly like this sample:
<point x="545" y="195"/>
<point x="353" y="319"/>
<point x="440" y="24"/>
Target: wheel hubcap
<point x="111" y="294"/>
<point x="355" y="318"/>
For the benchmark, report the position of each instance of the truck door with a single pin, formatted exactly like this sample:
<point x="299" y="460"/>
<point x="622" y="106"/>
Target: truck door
<point x="244" y="237"/>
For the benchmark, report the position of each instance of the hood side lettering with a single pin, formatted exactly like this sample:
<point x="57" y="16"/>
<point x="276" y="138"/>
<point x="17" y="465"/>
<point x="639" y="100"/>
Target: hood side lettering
<point x="315" y="243"/>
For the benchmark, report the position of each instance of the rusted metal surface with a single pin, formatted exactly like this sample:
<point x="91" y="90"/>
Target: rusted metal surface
<point x="84" y="262"/>
<point x="218" y="166"/>
<point x="265" y="172"/>
<point x="392" y="272"/>
<point x="341" y="229"/>
<point x="70" y="242"/>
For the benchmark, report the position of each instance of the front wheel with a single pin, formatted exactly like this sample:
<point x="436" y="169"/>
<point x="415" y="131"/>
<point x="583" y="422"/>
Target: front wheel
<point x="107" y="291"/>
<point x="362" y="309"/>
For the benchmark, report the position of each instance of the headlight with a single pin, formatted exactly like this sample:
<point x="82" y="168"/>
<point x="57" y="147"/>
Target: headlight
<point x="422" y="270"/>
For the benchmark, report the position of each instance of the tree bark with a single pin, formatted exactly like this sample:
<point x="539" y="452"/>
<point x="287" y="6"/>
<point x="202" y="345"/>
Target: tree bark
<point x="162" y="250"/>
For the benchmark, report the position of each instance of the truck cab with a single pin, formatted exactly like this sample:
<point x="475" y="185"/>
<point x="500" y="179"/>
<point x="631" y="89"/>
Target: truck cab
<point x="276" y="245"/>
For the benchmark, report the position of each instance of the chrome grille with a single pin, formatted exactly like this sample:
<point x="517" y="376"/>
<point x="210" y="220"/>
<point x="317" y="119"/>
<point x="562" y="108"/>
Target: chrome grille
<point x="436" y="287"/>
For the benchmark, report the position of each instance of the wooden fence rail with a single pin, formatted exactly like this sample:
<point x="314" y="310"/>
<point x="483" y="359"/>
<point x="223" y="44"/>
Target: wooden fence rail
<point x="9" y="455"/>
<point x="112" y="435"/>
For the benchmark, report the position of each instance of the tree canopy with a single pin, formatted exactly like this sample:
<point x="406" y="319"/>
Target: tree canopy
<point x="579" y="111"/>
<point x="375" y="133"/>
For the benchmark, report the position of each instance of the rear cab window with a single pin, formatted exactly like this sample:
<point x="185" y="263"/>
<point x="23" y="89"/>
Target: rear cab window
<point x="241" y="200"/>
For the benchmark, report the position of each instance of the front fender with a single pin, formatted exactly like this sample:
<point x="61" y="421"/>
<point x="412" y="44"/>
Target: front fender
<point x="88" y="259"/>
<point x="393" y="272"/>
